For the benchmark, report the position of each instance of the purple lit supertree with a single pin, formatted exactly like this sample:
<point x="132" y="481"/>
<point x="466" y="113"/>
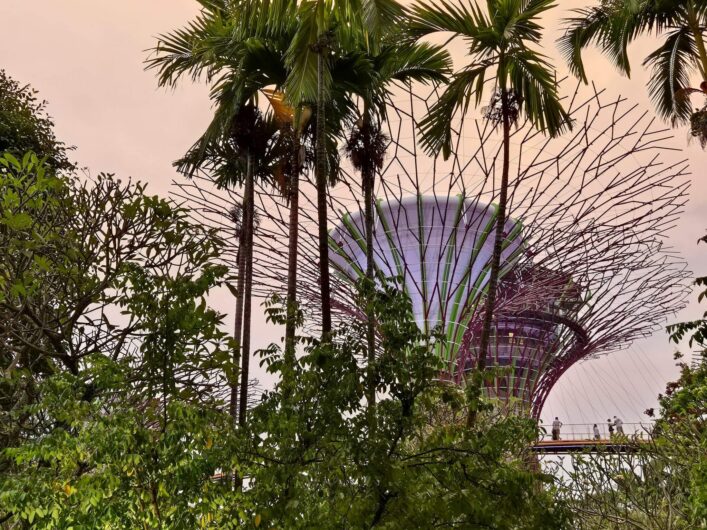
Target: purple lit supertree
<point x="585" y="267"/>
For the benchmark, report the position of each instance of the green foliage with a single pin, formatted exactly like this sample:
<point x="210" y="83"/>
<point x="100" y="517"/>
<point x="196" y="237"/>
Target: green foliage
<point x="501" y="43"/>
<point x="683" y="430"/>
<point x="110" y="356"/>
<point x="25" y="125"/>
<point x="677" y="24"/>
<point x="323" y="466"/>
<point x="113" y="416"/>
<point x="663" y="483"/>
<point x="112" y="463"/>
<point x="697" y="328"/>
<point x="78" y="254"/>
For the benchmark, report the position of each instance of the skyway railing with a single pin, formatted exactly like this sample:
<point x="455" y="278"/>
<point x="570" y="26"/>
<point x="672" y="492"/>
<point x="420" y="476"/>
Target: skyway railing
<point x="585" y="431"/>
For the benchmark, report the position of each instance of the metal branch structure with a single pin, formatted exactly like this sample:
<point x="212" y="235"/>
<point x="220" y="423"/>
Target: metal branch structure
<point x="585" y="268"/>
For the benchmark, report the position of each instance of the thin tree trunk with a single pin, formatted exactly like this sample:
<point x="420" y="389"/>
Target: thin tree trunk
<point x="497" y="249"/>
<point x="291" y="324"/>
<point x="368" y="177"/>
<point x="238" y="324"/>
<point x="696" y="28"/>
<point x="321" y="177"/>
<point x="248" y="229"/>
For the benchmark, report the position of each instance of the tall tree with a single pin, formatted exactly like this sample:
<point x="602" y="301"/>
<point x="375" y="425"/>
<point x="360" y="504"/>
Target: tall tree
<point x="112" y="360"/>
<point x="240" y="144"/>
<point x="25" y="125"/>
<point x="681" y="57"/>
<point x="367" y="144"/>
<point x="500" y="42"/>
<point x="326" y="30"/>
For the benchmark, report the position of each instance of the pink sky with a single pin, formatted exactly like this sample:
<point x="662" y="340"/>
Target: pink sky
<point x="85" y="57"/>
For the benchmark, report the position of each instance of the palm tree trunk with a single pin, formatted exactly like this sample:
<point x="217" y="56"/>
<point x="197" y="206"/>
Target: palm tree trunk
<point x="497" y="249"/>
<point x="248" y="229"/>
<point x="238" y="324"/>
<point x="321" y="177"/>
<point x="368" y="177"/>
<point x="696" y="28"/>
<point x="291" y="324"/>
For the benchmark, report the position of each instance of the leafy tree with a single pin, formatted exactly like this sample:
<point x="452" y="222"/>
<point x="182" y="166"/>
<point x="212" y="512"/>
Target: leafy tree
<point x="99" y="267"/>
<point x="323" y="466"/>
<point x="128" y="428"/>
<point x="679" y="24"/>
<point x="241" y="144"/>
<point x="500" y="43"/>
<point x="25" y="125"/>
<point x="662" y="482"/>
<point x="112" y="462"/>
<point x="684" y="406"/>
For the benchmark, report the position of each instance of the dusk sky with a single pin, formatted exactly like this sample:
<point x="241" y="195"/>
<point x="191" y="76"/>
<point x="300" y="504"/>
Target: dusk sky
<point x="86" y="58"/>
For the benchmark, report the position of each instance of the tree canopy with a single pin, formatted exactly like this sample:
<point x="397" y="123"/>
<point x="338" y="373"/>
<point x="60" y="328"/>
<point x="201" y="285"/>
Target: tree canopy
<point x="26" y="126"/>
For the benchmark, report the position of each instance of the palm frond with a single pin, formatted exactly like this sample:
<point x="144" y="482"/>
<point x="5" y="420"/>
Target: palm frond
<point x="671" y="64"/>
<point x="445" y="16"/>
<point x="189" y="50"/>
<point x="594" y="25"/>
<point x="522" y="21"/>
<point x="301" y="59"/>
<point x="378" y="16"/>
<point x="221" y="151"/>
<point x="435" y="128"/>
<point x="612" y="26"/>
<point x="421" y="62"/>
<point x="534" y="82"/>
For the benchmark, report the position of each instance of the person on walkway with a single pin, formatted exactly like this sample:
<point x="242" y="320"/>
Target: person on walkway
<point x="619" y="425"/>
<point x="597" y="436"/>
<point x="611" y="428"/>
<point x="556" y="429"/>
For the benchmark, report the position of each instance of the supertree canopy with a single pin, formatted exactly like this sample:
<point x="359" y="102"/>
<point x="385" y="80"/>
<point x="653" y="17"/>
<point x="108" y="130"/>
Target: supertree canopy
<point x="441" y="249"/>
<point x="585" y="266"/>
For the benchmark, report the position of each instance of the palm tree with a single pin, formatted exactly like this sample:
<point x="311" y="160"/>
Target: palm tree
<point x="367" y="144"/>
<point x="253" y="148"/>
<point x="681" y="56"/>
<point x="239" y="143"/>
<point x="499" y="43"/>
<point x="325" y="30"/>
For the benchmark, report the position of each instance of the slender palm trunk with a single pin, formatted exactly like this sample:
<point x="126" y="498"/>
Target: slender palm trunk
<point x="293" y="236"/>
<point x="497" y="249"/>
<point x="321" y="177"/>
<point x="696" y="28"/>
<point x="238" y="324"/>
<point x="248" y="248"/>
<point x="368" y="178"/>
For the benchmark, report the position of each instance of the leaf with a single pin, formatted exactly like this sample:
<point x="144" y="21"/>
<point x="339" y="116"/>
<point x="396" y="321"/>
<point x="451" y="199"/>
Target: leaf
<point x="13" y="161"/>
<point x="234" y="290"/>
<point x="257" y="520"/>
<point x="19" y="221"/>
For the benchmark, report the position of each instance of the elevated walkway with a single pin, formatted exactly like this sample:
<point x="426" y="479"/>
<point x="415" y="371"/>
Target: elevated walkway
<point x="578" y="438"/>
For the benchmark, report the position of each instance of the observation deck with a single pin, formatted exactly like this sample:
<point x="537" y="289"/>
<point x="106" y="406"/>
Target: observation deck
<point x="579" y="437"/>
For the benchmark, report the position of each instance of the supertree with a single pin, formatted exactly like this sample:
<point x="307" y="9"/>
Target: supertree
<point x="586" y="269"/>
